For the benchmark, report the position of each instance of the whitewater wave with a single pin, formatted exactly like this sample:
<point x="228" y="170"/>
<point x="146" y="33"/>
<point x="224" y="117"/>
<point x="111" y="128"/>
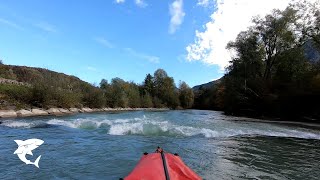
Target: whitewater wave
<point x="149" y="127"/>
<point x="21" y="124"/>
<point x="80" y="123"/>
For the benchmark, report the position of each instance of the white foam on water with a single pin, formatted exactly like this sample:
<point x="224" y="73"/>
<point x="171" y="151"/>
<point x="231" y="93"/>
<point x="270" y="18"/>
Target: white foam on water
<point x="16" y="124"/>
<point x="152" y="127"/>
<point x="80" y="123"/>
<point x="126" y="128"/>
<point x="121" y="120"/>
<point x="62" y="123"/>
<point x="165" y="128"/>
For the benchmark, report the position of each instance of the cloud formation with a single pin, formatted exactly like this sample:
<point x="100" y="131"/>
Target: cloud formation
<point x="152" y="59"/>
<point x="10" y="23"/>
<point x="120" y="1"/>
<point x="177" y="15"/>
<point x="46" y="27"/>
<point x="141" y="3"/>
<point x="103" y="42"/>
<point x="230" y="18"/>
<point x="90" y="68"/>
<point x="203" y="3"/>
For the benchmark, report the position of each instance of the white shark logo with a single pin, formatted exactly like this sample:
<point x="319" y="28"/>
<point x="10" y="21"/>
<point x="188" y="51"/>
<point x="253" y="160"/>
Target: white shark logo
<point x="26" y="147"/>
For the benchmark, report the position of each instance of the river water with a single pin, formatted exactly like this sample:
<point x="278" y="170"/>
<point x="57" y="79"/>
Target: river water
<point x="108" y="145"/>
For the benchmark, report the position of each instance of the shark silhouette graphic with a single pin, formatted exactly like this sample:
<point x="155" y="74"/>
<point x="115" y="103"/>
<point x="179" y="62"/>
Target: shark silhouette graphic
<point x="26" y="147"/>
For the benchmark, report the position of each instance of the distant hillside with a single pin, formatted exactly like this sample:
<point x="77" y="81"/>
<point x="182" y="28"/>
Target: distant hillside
<point x="206" y="85"/>
<point x="33" y="76"/>
<point x="27" y="86"/>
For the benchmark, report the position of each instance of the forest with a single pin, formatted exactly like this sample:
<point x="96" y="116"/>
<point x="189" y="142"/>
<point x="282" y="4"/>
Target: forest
<point x="275" y="69"/>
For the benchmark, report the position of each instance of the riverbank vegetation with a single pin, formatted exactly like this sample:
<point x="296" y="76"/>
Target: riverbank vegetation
<point x="26" y="87"/>
<point x="275" y="70"/>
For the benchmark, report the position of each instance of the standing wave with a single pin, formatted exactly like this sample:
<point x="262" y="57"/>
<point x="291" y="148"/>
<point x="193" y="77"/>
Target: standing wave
<point x="148" y="127"/>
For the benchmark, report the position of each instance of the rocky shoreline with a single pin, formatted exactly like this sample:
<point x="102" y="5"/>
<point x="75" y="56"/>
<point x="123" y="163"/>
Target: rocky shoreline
<point x="64" y="111"/>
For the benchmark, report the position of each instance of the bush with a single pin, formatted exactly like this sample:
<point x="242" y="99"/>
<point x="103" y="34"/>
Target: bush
<point x="20" y="93"/>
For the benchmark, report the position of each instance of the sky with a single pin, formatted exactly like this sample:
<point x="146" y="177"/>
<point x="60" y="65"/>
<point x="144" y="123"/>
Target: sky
<point x="126" y="38"/>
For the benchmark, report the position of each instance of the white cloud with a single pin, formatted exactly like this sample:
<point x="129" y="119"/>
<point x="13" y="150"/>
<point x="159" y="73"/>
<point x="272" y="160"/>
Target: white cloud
<point x="46" y="27"/>
<point x="152" y="59"/>
<point x="120" y="1"/>
<point x="177" y="15"/>
<point x="103" y="42"/>
<point x="203" y="3"/>
<point x="141" y="3"/>
<point x="91" y="68"/>
<point x="230" y="18"/>
<point x="10" y="23"/>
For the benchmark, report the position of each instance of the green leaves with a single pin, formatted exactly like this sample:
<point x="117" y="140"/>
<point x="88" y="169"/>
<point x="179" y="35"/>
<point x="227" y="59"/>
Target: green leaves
<point x="270" y="73"/>
<point x="186" y="95"/>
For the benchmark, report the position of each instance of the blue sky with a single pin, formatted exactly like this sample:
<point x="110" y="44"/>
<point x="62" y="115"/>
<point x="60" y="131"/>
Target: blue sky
<point x="102" y="39"/>
<point x="123" y="38"/>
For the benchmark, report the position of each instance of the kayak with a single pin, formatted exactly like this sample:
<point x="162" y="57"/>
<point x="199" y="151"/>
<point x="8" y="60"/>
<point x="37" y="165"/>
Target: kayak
<point x="161" y="166"/>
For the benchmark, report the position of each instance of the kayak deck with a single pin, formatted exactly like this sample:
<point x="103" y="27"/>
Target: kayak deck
<point x="162" y="166"/>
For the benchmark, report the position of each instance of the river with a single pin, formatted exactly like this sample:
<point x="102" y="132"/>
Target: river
<point x="108" y="145"/>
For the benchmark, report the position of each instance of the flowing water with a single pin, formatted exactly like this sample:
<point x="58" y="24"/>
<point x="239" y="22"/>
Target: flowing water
<point x="108" y="145"/>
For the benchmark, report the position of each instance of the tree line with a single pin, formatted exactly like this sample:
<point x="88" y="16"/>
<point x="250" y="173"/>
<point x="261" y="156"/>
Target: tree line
<point x="50" y="89"/>
<point x="156" y="91"/>
<point x="276" y="68"/>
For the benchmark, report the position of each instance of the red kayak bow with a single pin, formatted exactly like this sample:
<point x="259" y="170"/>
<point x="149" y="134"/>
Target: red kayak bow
<point x="162" y="166"/>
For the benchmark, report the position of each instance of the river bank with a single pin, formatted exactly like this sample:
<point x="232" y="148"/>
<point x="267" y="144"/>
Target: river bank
<point x="66" y="111"/>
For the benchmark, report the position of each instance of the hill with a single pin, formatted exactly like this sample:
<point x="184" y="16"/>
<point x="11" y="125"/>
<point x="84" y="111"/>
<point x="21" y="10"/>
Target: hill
<point x="26" y="87"/>
<point x="206" y="85"/>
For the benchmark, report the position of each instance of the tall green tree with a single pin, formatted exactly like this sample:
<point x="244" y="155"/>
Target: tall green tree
<point x="159" y="77"/>
<point x="104" y="84"/>
<point x="186" y="95"/>
<point x="165" y="89"/>
<point x="118" y="95"/>
<point x="133" y="95"/>
<point x="276" y="35"/>
<point x="148" y="85"/>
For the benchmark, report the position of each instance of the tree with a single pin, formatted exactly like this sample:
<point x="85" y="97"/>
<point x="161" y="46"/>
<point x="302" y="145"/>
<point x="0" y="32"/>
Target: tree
<point x="249" y="55"/>
<point x="165" y="89"/>
<point x="104" y="84"/>
<point x="93" y="97"/>
<point x="275" y="35"/>
<point x="246" y="68"/>
<point x="118" y="95"/>
<point x="148" y="85"/>
<point x="1" y="62"/>
<point x="146" y="101"/>
<point x="159" y="76"/>
<point x="186" y="95"/>
<point x="309" y="24"/>
<point x="133" y="95"/>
